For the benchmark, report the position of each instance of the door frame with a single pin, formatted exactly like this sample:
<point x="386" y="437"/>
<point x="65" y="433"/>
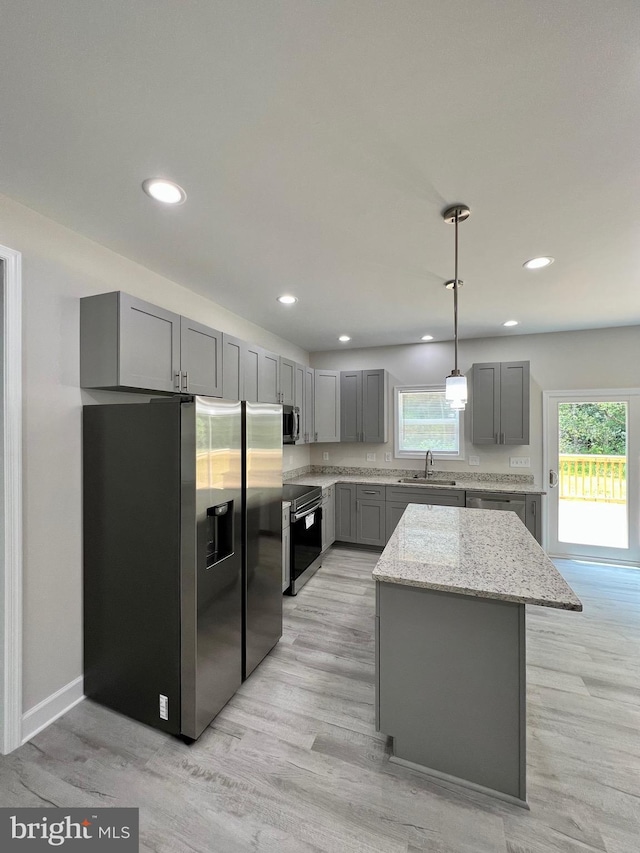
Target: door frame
<point x="633" y="458"/>
<point x="11" y="571"/>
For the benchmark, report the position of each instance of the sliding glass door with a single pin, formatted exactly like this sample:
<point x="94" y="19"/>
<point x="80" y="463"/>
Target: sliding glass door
<point x="592" y="449"/>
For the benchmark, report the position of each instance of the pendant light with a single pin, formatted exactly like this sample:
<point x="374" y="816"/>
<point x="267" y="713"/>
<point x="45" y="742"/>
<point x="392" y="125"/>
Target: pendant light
<point x="456" y="382"/>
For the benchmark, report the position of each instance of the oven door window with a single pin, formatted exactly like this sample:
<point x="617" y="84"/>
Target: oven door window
<point x="306" y="541"/>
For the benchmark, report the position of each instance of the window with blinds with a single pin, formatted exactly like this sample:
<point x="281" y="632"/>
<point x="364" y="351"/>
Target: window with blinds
<point x="425" y="421"/>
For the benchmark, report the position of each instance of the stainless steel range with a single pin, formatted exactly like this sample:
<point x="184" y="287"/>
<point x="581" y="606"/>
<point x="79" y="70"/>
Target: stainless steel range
<point x="306" y="532"/>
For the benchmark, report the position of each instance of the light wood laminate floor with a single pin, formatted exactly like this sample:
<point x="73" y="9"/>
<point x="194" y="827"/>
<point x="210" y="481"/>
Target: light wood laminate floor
<point x="293" y="763"/>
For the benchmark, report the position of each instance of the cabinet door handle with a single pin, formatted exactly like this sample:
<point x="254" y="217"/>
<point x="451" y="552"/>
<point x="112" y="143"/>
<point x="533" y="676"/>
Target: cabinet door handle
<point x="502" y="438"/>
<point x="177" y="381"/>
<point x="186" y="381"/>
<point x="533" y="507"/>
<point x="495" y="438"/>
<point x="368" y="492"/>
<point x="316" y="438"/>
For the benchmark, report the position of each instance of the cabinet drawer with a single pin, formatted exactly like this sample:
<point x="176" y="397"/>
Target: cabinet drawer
<point x="371" y="493"/>
<point x="418" y="495"/>
<point x="327" y="495"/>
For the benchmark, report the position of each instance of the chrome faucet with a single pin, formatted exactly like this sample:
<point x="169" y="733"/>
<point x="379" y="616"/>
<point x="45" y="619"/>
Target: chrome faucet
<point x="428" y="458"/>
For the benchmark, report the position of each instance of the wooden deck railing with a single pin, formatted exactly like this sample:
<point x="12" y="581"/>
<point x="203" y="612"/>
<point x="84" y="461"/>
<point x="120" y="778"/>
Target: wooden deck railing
<point x="593" y="478"/>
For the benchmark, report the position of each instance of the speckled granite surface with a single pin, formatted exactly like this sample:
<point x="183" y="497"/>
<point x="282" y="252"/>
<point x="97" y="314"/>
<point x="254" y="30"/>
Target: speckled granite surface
<point x="475" y="552"/>
<point x="499" y="483"/>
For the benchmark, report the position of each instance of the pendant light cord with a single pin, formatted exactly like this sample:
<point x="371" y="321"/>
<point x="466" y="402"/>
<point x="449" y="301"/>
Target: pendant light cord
<point x="455" y="301"/>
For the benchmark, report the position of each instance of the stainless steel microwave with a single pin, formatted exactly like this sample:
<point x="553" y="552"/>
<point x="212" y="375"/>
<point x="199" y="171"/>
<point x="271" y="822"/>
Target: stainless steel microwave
<point x="290" y="424"/>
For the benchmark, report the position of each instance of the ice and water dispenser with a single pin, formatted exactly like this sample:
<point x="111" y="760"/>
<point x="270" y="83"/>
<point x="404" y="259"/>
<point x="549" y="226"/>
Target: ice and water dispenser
<point x="219" y="533"/>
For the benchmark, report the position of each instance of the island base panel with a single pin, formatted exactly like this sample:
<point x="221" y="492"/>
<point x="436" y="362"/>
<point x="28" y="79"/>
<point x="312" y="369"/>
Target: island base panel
<point x="451" y="685"/>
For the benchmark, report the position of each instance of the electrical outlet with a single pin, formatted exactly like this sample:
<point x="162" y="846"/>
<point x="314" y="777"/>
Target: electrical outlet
<point x="387" y="457"/>
<point x="474" y="460"/>
<point x="520" y="461"/>
<point x="325" y="456"/>
<point x="371" y="457"/>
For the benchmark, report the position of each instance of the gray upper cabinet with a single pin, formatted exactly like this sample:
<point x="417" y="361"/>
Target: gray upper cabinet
<point x="363" y="406"/>
<point x="374" y="409"/>
<point x="298" y="396"/>
<point x="251" y="371"/>
<point x="500" y="403"/>
<point x="308" y="412"/>
<point x="126" y="343"/>
<point x="350" y="405"/>
<point x="268" y="377"/>
<point x="287" y="382"/>
<point x="232" y="367"/>
<point x="200" y="358"/>
<point x="327" y="405"/>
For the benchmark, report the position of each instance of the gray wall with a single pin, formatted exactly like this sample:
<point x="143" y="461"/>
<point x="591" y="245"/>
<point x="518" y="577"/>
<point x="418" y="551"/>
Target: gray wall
<point x="60" y="266"/>
<point x="598" y="358"/>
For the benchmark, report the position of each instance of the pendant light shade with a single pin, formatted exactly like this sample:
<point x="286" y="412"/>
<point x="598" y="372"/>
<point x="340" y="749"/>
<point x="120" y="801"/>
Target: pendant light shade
<point x="456" y="390"/>
<point x="456" y="383"/>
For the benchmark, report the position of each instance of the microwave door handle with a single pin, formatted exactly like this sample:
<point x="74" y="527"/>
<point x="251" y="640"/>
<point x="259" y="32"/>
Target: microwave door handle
<point x="296" y="424"/>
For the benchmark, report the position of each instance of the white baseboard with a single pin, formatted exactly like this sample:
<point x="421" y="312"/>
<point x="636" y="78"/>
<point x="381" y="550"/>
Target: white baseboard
<point x="46" y="712"/>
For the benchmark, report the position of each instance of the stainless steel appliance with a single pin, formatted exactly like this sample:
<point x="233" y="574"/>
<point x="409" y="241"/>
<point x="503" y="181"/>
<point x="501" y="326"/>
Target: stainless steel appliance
<point x="306" y="532"/>
<point x="171" y="560"/>
<point x="262" y="531"/>
<point x="290" y="424"/>
<point x="487" y="500"/>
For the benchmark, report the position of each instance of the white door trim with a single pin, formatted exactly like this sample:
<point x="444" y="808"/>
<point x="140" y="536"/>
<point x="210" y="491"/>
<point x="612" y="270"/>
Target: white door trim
<point x="12" y="450"/>
<point x="634" y="456"/>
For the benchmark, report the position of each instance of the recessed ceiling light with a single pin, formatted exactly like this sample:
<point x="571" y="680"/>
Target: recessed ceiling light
<point x="537" y="263"/>
<point x="287" y="300"/>
<point x="510" y="323"/>
<point x="344" y="338"/>
<point x="165" y="191"/>
<point x="426" y="338"/>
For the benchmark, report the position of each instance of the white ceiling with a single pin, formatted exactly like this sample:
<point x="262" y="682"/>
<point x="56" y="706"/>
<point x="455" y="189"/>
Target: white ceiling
<point x="318" y="143"/>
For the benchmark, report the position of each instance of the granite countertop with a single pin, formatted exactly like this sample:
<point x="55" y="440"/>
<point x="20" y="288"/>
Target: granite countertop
<point x="475" y="552"/>
<point x="468" y="484"/>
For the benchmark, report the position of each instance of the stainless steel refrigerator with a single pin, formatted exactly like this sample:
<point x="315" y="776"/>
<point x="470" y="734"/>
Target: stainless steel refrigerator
<point x="181" y="596"/>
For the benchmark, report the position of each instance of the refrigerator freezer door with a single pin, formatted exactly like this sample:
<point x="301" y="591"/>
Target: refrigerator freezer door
<point x="211" y="559"/>
<point x="263" y="531"/>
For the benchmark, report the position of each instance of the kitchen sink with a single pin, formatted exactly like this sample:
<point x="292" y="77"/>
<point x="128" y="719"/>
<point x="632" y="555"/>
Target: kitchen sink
<point x="429" y="480"/>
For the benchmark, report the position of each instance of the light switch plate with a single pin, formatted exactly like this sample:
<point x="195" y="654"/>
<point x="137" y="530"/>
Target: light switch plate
<point x="520" y="461"/>
<point x="325" y="455"/>
<point x="387" y="457"/>
<point x="474" y="460"/>
<point x="371" y="457"/>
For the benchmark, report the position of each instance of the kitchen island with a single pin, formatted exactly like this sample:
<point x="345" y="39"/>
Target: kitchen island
<point x="451" y="589"/>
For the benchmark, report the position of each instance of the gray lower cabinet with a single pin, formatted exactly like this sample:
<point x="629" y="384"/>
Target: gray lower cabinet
<point x="500" y="402"/>
<point x="533" y="516"/>
<point x="328" y="517"/>
<point x="346" y="529"/>
<point x="129" y="344"/>
<point x="326" y="405"/>
<point x="371" y="524"/>
<point x="399" y="498"/>
<point x="363" y="406"/>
